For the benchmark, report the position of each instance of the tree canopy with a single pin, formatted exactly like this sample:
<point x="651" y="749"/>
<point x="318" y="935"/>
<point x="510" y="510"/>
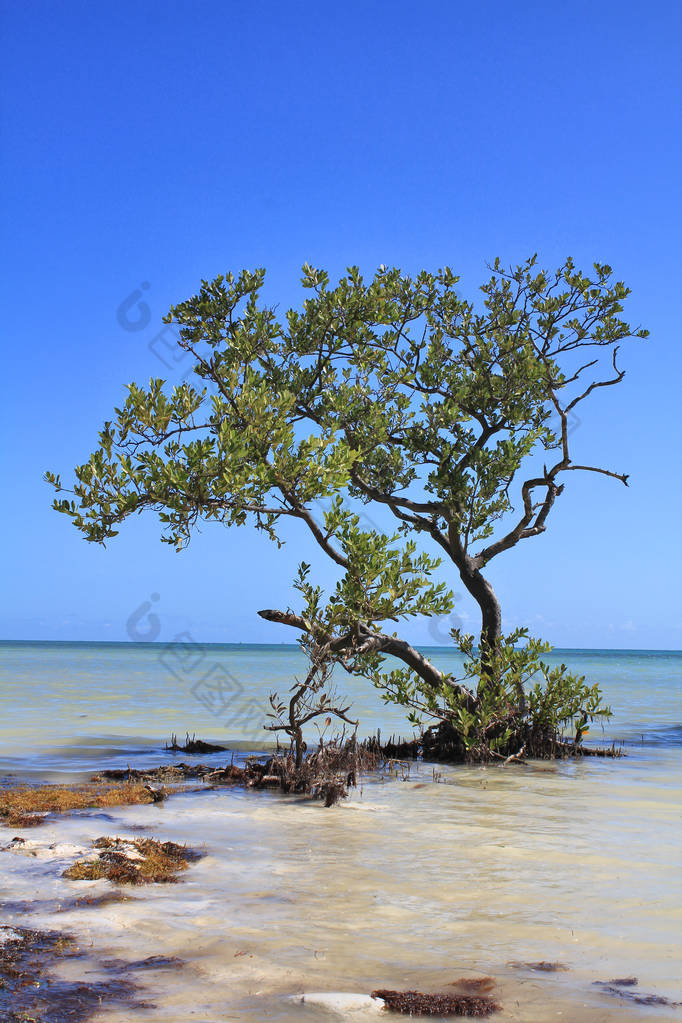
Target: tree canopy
<point x="393" y="391"/>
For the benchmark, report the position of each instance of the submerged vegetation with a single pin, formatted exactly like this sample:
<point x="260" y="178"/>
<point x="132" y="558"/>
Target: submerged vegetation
<point x="31" y="993"/>
<point x="622" y="987"/>
<point x="326" y="773"/>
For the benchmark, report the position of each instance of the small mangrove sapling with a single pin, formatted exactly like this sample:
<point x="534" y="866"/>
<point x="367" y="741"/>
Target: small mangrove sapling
<point x="312" y="698"/>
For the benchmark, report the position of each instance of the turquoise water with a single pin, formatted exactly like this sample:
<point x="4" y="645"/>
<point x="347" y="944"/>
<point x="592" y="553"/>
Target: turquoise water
<point x="410" y="883"/>
<point x="69" y="705"/>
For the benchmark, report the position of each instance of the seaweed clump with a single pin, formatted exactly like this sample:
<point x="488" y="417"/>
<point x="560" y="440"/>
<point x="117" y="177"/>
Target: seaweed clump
<point x="415" y="1003"/>
<point x="479" y="985"/>
<point x="24" y="807"/>
<point x="543" y="966"/>
<point x="138" y="861"/>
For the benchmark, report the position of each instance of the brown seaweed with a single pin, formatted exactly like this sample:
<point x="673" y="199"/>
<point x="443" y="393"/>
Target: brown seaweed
<point x="138" y="861"/>
<point x="620" y="981"/>
<point x="542" y="966"/>
<point x="415" y="1003"/>
<point x="95" y="901"/>
<point x="24" y="806"/>
<point x="480" y="985"/>
<point x="150" y="963"/>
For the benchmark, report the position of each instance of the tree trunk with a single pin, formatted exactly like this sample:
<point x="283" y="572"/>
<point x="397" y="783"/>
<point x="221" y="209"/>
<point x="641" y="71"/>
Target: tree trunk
<point x="484" y="595"/>
<point x="479" y="588"/>
<point x="298" y="746"/>
<point x="491" y="622"/>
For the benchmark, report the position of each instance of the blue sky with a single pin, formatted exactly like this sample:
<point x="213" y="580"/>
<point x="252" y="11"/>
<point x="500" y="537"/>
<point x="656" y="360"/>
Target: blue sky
<point x="159" y="144"/>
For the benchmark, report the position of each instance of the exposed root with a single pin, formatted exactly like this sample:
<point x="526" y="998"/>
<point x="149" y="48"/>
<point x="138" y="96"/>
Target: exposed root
<point x="139" y="861"/>
<point x="414" y="1003"/>
<point x="165" y="773"/>
<point x="443" y="744"/>
<point x="193" y="745"/>
<point x="326" y="774"/>
<point x="516" y="758"/>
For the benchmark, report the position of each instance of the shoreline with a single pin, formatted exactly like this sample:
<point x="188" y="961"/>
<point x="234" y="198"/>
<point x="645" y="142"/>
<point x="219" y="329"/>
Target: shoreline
<point x="408" y="885"/>
<point x="278" y="910"/>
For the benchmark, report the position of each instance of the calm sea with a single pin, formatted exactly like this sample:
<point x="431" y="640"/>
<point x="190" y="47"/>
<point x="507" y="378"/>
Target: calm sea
<point x="68" y="706"/>
<point x="411" y="883"/>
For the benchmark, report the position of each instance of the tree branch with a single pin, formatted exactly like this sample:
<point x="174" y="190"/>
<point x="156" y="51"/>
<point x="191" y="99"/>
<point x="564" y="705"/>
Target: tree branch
<point x="623" y="477"/>
<point x="364" y="640"/>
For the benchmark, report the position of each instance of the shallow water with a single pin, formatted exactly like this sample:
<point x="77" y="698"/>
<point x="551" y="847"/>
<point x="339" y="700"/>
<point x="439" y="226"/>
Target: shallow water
<point x="400" y="887"/>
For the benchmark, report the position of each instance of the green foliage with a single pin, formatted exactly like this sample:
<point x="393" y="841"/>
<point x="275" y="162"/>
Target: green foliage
<point x="507" y="699"/>
<point x="381" y="582"/>
<point x="371" y="389"/>
<point x="392" y="391"/>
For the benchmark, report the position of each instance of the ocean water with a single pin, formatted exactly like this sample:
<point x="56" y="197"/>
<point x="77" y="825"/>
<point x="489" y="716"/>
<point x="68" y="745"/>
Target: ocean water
<point x="411" y="883"/>
<point x="68" y="706"/>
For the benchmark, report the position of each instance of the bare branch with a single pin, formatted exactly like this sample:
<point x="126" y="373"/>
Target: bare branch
<point x="620" y="373"/>
<point x="623" y="477"/>
<point x="301" y="512"/>
<point x="366" y="641"/>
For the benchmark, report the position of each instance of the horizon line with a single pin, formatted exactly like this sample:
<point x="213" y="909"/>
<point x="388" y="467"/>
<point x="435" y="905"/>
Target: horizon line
<point x="295" y="646"/>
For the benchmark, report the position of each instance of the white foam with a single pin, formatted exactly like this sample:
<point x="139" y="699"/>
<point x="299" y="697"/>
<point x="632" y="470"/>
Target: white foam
<point x="342" y="1003"/>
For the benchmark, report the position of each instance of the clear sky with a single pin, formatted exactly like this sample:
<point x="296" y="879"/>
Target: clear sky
<point x="148" y="145"/>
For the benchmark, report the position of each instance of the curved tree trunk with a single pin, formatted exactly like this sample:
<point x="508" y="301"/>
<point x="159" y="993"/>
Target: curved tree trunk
<point x="484" y="595"/>
<point x="491" y="621"/>
<point x="479" y="588"/>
